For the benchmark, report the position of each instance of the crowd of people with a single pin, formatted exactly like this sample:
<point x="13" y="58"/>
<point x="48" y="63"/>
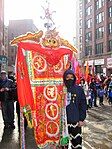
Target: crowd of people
<point x="99" y="88"/>
<point x="80" y="97"/>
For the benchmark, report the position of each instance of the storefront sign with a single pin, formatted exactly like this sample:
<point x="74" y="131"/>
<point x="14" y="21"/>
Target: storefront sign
<point x="90" y="63"/>
<point x="109" y="62"/>
<point x="99" y="62"/>
<point x="3" y="63"/>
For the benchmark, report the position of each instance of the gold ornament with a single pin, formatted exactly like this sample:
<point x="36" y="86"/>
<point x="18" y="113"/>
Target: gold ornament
<point x="29" y="36"/>
<point x="50" y="40"/>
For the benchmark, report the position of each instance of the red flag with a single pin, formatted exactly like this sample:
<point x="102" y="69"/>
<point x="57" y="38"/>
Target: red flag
<point x="78" y="73"/>
<point x="87" y="71"/>
<point x="25" y="96"/>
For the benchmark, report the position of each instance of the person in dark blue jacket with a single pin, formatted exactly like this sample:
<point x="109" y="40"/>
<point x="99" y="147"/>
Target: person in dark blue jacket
<point x="93" y="89"/>
<point x="110" y="93"/>
<point x="7" y="102"/>
<point x="75" y="109"/>
<point x="101" y="93"/>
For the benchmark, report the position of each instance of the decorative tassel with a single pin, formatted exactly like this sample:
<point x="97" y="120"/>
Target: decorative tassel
<point x="28" y="115"/>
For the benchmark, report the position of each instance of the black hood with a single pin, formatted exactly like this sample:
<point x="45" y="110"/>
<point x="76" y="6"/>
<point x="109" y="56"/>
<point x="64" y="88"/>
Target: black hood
<point x="69" y="71"/>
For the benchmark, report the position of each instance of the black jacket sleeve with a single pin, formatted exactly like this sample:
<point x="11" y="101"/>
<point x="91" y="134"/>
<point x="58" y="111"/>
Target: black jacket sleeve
<point x="82" y="106"/>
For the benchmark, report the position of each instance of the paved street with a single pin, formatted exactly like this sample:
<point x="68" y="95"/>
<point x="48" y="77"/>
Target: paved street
<point x="97" y="134"/>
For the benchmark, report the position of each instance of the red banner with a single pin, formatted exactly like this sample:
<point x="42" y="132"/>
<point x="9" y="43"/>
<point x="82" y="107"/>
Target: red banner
<point x="42" y="70"/>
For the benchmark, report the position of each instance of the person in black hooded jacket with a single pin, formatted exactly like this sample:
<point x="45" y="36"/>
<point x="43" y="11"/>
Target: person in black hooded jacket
<point x="75" y="109"/>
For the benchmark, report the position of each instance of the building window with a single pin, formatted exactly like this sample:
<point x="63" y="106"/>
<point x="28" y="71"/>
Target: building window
<point x="99" y="4"/>
<point x="80" y="31"/>
<point x="87" y="1"/>
<point x="98" y="69"/>
<point x="100" y="17"/>
<point x="80" y="6"/>
<point x="99" y="48"/>
<point x="110" y="45"/>
<point x="88" y="10"/>
<point x="80" y="22"/>
<point x="110" y="11"/>
<point x="12" y="58"/>
<point x="80" y="1"/>
<point x="12" y="50"/>
<point x="81" y="47"/>
<point x="88" y="51"/>
<point x="88" y="37"/>
<point x="99" y="32"/>
<point x="89" y="23"/>
<point x="110" y="28"/>
<point x="80" y="14"/>
<point x="80" y="39"/>
<point x="12" y="35"/>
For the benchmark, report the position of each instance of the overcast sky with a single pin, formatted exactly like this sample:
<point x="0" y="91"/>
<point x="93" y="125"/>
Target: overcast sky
<point x="64" y="17"/>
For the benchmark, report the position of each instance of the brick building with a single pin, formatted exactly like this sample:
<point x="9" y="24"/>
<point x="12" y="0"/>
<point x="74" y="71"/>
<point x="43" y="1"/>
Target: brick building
<point x="17" y="28"/>
<point x="96" y="39"/>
